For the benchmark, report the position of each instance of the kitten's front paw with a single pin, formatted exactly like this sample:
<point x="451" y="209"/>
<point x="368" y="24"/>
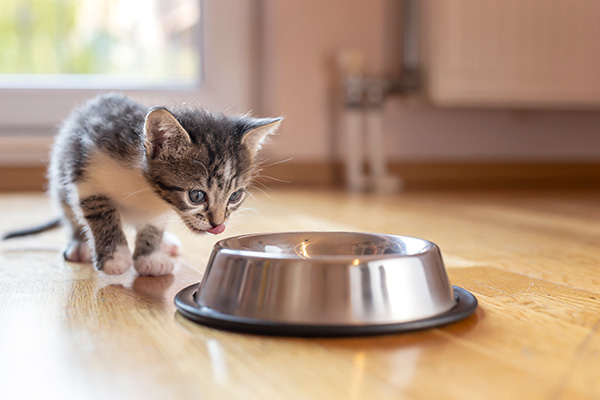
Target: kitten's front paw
<point x="79" y="252"/>
<point x="170" y="244"/>
<point x="120" y="262"/>
<point x="155" y="264"/>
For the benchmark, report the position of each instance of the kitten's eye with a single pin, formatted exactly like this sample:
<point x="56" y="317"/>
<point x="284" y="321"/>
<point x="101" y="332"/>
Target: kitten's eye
<point x="197" y="196"/>
<point x="236" y="196"/>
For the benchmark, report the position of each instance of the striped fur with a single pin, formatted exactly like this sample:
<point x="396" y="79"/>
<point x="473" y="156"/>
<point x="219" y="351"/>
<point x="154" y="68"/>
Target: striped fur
<point x="116" y="161"/>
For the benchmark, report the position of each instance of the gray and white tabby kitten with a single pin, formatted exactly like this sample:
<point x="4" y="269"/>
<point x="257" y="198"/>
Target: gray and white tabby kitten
<point x="116" y="161"/>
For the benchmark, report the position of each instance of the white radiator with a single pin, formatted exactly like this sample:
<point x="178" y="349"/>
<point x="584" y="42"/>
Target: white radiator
<point x="512" y="53"/>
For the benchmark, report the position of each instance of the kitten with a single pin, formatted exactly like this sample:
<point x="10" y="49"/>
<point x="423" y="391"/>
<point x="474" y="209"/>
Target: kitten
<point x="115" y="161"/>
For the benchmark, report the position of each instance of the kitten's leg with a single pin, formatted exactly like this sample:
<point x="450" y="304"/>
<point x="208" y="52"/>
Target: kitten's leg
<point x="111" y="254"/>
<point x="149" y="258"/>
<point x="78" y="249"/>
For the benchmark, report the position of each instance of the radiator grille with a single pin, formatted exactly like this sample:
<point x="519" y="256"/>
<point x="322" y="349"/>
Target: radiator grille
<point x="513" y="52"/>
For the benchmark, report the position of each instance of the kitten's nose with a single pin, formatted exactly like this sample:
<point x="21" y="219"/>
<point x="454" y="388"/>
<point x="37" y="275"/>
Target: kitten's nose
<point x="216" y="219"/>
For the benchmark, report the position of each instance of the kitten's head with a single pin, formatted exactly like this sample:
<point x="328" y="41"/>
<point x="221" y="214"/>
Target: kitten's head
<point x="203" y="163"/>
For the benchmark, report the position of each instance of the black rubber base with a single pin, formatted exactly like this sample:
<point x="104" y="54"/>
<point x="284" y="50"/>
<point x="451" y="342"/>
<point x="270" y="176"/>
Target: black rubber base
<point x="187" y="306"/>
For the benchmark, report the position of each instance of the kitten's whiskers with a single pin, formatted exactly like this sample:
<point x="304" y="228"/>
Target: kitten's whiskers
<point x="263" y="192"/>
<point x="261" y="164"/>
<point x="256" y="182"/>
<point x="128" y="195"/>
<point x="274" y="179"/>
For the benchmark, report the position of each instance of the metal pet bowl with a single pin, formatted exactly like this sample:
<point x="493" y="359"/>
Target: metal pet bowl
<point x="325" y="284"/>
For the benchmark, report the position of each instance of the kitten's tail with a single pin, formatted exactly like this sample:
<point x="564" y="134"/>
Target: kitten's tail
<point x="55" y="223"/>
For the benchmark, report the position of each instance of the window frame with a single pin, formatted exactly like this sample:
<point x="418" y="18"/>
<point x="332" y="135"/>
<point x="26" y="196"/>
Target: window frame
<point x="228" y="59"/>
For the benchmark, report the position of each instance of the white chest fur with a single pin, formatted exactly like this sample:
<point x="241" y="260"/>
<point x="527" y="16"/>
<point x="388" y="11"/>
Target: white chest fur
<point x="125" y="186"/>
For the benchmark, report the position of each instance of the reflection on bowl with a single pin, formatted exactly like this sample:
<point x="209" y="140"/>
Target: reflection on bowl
<point x="321" y="245"/>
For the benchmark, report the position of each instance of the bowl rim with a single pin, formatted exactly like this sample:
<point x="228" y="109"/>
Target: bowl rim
<point x="220" y="247"/>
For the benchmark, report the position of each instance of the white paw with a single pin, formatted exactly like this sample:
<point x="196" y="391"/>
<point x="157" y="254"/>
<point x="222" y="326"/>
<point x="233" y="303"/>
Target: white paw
<point x="79" y="252"/>
<point x="155" y="264"/>
<point x="120" y="262"/>
<point x="170" y="244"/>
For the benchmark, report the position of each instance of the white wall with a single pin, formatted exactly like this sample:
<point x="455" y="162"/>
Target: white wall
<point x="300" y="41"/>
<point x="422" y="133"/>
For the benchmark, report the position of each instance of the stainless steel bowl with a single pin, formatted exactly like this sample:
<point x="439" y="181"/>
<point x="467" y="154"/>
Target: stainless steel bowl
<point x="325" y="283"/>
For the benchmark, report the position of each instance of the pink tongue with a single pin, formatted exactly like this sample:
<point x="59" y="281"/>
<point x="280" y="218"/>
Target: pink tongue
<point x="216" y="230"/>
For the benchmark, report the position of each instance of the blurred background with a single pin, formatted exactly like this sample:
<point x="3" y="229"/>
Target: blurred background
<point x="378" y="95"/>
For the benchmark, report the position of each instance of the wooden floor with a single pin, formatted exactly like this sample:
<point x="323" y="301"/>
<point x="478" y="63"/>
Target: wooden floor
<point x="532" y="260"/>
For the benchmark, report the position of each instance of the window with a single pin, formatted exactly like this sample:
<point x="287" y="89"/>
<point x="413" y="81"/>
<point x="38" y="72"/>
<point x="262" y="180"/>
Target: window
<point x="160" y="52"/>
<point x="94" y="44"/>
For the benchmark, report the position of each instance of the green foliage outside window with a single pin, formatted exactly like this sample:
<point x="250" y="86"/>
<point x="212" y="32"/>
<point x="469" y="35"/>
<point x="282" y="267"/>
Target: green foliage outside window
<point x="153" y="39"/>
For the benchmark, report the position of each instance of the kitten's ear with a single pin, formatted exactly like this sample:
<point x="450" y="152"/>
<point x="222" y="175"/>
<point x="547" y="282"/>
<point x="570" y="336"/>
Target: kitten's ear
<point x="256" y="132"/>
<point x="164" y="134"/>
